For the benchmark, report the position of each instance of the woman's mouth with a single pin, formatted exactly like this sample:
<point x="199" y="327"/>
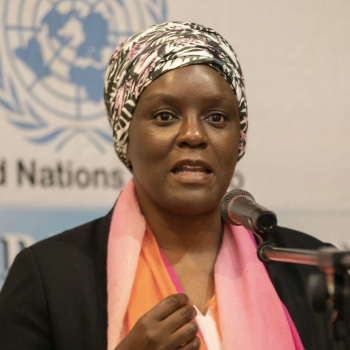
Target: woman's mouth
<point x="188" y="170"/>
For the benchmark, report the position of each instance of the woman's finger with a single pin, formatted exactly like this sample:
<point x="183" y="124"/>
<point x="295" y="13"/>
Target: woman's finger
<point x="179" y="318"/>
<point x="185" y="335"/>
<point x="167" y="306"/>
<point x="194" y="344"/>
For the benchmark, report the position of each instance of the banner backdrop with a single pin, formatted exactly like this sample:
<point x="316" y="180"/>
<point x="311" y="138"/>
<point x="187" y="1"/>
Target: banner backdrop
<point x="58" y="168"/>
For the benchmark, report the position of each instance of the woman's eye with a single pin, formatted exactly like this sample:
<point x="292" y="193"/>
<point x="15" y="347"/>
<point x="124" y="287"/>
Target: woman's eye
<point x="217" y="118"/>
<point x="164" y="117"/>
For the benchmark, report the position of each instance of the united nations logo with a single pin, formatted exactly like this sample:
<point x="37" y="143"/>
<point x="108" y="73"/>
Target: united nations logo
<point x="53" y="56"/>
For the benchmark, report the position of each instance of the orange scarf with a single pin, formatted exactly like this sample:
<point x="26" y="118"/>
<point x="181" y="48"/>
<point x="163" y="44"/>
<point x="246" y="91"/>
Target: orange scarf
<point x="251" y="314"/>
<point x="152" y="284"/>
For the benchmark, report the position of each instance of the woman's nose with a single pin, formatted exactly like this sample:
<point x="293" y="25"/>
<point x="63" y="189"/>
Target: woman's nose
<point x="192" y="133"/>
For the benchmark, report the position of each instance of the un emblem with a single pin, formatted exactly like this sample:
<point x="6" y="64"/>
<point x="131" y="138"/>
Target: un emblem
<point x="53" y="55"/>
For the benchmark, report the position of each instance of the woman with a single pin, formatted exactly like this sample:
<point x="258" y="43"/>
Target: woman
<point x="175" y="99"/>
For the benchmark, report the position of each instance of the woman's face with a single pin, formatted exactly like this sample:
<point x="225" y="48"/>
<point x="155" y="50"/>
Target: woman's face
<point x="183" y="140"/>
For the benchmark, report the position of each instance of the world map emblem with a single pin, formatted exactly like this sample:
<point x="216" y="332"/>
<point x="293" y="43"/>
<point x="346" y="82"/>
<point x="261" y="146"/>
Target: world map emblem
<point x="53" y="57"/>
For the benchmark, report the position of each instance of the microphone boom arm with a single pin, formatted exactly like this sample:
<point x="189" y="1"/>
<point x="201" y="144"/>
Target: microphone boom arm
<point x="329" y="289"/>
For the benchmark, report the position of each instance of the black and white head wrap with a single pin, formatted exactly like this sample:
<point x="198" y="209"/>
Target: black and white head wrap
<point x="156" y="50"/>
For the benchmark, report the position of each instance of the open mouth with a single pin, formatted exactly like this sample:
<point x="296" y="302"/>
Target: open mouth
<point x="191" y="167"/>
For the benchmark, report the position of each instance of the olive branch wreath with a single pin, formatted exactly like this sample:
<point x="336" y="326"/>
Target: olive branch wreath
<point x="38" y="130"/>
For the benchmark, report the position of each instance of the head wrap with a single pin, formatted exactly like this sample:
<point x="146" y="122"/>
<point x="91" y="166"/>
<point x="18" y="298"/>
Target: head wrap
<point x="156" y="50"/>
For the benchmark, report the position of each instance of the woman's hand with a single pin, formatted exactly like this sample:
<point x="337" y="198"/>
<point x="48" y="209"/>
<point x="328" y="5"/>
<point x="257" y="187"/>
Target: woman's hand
<point x="167" y="326"/>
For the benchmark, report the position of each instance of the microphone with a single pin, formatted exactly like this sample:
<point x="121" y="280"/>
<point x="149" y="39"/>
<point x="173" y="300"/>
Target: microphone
<point x="238" y="207"/>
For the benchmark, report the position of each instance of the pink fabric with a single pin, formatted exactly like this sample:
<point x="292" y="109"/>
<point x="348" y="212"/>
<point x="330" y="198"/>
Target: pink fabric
<point x="297" y="341"/>
<point x="251" y="313"/>
<point x="124" y="245"/>
<point x="171" y="272"/>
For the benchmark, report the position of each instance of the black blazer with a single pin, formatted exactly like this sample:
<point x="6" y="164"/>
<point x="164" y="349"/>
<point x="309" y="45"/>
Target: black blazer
<point x="55" y="295"/>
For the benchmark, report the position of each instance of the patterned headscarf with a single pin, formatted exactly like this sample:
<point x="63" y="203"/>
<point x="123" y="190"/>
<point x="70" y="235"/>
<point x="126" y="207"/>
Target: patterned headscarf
<point x="156" y="50"/>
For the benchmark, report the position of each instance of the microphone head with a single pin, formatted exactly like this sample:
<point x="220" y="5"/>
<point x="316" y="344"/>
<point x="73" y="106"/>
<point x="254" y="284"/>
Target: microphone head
<point x="226" y="201"/>
<point x="266" y="222"/>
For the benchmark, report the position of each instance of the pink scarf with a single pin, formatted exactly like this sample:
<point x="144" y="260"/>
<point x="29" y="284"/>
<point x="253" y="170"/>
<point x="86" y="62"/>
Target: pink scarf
<point x="251" y="313"/>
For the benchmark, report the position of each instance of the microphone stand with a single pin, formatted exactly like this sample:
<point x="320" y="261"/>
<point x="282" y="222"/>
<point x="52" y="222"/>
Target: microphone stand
<point x="327" y="290"/>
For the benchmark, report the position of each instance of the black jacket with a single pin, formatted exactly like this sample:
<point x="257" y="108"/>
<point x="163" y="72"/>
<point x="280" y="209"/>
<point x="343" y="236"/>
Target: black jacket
<point x="55" y="296"/>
